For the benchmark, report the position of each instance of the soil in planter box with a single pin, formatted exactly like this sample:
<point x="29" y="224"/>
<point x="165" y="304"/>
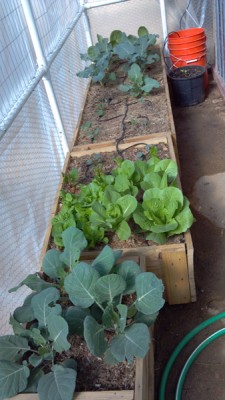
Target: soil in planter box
<point x="106" y="161"/>
<point x="109" y="113"/>
<point x="94" y="375"/>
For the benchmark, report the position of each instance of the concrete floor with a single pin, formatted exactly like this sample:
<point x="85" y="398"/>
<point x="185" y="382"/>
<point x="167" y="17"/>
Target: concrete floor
<point x="201" y="147"/>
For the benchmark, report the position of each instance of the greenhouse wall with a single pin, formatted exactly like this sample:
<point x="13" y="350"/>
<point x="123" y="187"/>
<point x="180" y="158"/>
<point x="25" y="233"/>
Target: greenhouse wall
<point x="40" y="102"/>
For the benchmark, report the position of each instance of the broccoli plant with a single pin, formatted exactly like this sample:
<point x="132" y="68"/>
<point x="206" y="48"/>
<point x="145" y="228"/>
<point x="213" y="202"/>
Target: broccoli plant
<point x="138" y="83"/>
<point x="106" y="299"/>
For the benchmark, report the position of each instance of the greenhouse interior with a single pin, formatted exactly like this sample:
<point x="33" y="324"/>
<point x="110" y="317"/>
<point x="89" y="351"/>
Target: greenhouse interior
<point x="112" y="121"/>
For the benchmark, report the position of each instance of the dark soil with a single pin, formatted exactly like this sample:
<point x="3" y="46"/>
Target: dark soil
<point x="186" y="72"/>
<point x="121" y="114"/>
<point x="92" y="372"/>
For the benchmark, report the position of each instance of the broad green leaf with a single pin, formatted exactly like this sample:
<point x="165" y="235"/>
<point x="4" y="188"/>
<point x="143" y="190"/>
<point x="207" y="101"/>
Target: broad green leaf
<point x="159" y="238"/>
<point x="110" y="318"/>
<point x="142" y="31"/>
<point x="128" y="205"/>
<point x="69" y="363"/>
<point x="11" y="346"/>
<point x="80" y="283"/>
<point x="109" y="358"/>
<point x="13" y="379"/>
<point x="52" y="264"/>
<point x="58" y="384"/>
<point x="37" y="337"/>
<point x="34" y="282"/>
<point x="150" y="83"/>
<point x="74" y="242"/>
<point x="41" y="305"/>
<point x="110" y="196"/>
<point x="35" y="360"/>
<point x="25" y="312"/>
<point x="141" y="220"/>
<point x="149" y="291"/>
<point x="75" y="318"/>
<point x="58" y="330"/>
<point x="146" y="319"/>
<point x="151" y="180"/>
<point x="135" y="74"/>
<point x="116" y="37"/>
<point x="124" y="50"/>
<point x="125" y="88"/>
<point x="122" y="183"/>
<point x="134" y="342"/>
<point x="184" y="219"/>
<point x="128" y="270"/>
<point x="94" y="336"/>
<point x="35" y="376"/>
<point x="104" y="262"/>
<point x="109" y="286"/>
<point x="123" y="309"/>
<point x="123" y="231"/>
<point x="169" y="167"/>
<point x="18" y="328"/>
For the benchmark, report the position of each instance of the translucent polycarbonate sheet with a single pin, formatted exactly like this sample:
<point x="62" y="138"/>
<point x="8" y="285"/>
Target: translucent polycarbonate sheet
<point x="52" y="17"/>
<point x="17" y="61"/>
<point x="31" y="162"/>
<point x="68" y="88"/>
<point x="126" y="16"/>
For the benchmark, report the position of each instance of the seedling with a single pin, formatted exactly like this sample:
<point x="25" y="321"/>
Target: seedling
<point x="100" y="109"/>
<point x="90" y="131"/>
<point x="139" y="84"/>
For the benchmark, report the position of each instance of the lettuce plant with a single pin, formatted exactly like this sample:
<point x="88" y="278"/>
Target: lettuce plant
<point x="77" y="298"/>
<point x="163" y="213"/>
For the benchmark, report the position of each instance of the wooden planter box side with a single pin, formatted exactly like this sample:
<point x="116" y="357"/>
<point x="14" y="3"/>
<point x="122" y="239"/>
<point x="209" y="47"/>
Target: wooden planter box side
<point x="144" y="385"/>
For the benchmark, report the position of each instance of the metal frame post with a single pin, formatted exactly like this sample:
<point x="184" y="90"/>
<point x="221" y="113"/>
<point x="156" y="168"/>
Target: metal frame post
<point x="41" y="62"/>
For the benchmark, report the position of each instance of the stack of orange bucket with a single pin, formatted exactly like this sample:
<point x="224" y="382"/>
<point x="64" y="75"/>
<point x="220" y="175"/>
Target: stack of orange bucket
<point x="188" y="47"/>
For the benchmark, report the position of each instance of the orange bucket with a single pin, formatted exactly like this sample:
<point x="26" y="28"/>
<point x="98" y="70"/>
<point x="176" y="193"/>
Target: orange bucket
<point x="186" y="36"/>
<point x="183" y="46"/>
<point x="186" y="52"/>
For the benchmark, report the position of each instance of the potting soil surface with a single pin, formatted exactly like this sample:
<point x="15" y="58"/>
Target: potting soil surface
<point x="201" y="142"/>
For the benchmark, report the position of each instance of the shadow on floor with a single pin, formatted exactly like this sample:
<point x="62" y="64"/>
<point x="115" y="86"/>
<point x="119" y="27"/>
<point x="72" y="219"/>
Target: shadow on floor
<point x="201" y="147"/>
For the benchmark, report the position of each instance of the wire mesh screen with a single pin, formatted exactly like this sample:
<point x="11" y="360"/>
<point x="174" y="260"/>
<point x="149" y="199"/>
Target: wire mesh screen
<point x="220" y="37"/>
<point x="30" y="164"/>
<point x="52" y="18"/>
<point x="126" y="16"/>
<point x="68" y="88"/>
<point x="17" y="66"/>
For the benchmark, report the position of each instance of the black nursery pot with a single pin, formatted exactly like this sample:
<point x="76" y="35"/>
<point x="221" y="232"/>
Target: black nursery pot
<point x="187" y="83"/>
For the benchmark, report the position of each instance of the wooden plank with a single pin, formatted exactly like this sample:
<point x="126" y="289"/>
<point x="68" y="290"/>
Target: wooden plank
<point x="110" y="148"/>
<point x="104" y="395"/>
<point x="190" y="259"/>
<point x="176" y="278"/>
<point x="100" y="145"/>
<point x="144" y="378"/>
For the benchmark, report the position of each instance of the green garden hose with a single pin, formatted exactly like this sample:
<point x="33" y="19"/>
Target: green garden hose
<point x="180" y="346"/>
<point x="191" y="359"/>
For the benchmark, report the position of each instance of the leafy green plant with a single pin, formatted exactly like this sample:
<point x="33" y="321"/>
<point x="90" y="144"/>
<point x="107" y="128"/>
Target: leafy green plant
<point x="107" y="299"/>
<point x="139" y="84"/>
<point x="90" y="131"/>
<point x="109" y="202"/>
<point x="163" y="213"/>
<point x="100" y="58"/>
<point x="129" y="50"/>
<point x="109" y="286"/>
<point x="100" y="109"/>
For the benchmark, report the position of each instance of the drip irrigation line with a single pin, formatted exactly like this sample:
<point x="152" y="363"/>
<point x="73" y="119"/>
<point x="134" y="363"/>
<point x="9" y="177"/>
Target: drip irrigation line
<point x="109" y="119"/>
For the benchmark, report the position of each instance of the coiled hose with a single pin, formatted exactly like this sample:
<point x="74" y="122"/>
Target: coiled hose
<point x="180" y="346"/>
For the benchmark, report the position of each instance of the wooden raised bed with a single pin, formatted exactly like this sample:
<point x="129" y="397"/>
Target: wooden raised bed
<point x="144" y="385"/>
<point x="173" y="263"/>
<point x="156" y="111"/>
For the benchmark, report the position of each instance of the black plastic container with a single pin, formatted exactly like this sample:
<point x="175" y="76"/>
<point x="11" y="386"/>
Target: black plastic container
<point x="188" y="85"/>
